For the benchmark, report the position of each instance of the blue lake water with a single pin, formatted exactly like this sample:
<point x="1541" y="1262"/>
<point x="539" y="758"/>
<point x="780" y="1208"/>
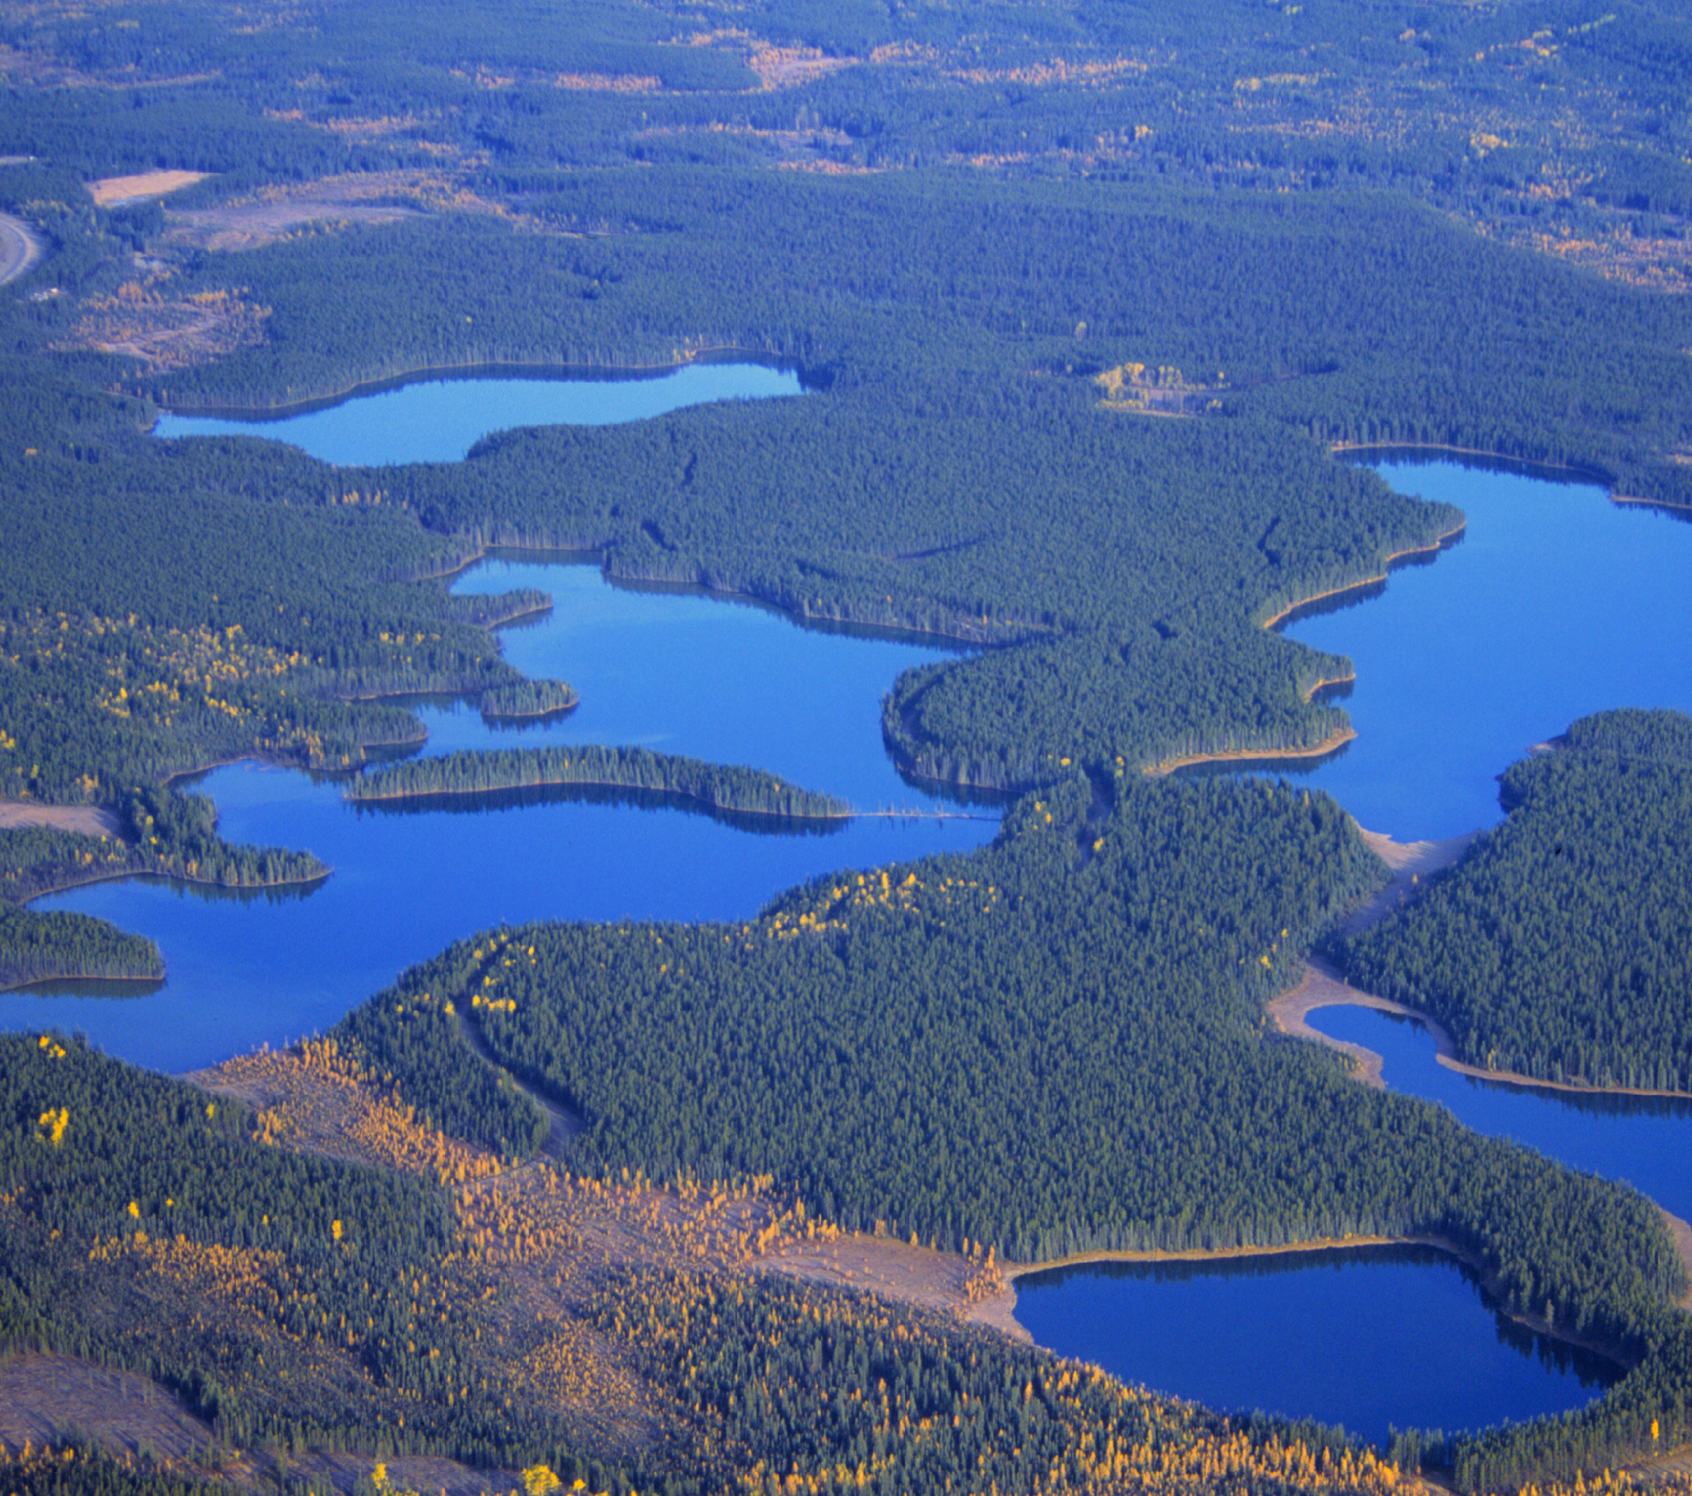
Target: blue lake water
<point x="1367" y="1338"/>
<point x="1554" y="604"/>
<point x="439" y="420"/>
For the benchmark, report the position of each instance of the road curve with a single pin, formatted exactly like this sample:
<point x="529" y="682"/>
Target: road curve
<point x="20" y="250"/>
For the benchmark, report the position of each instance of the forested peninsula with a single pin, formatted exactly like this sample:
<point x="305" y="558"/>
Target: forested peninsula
<point x="528" y="701"/>
<point x="1284" y="228"/>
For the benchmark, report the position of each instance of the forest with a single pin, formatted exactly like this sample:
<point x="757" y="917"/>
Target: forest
<point x="1075" y="1009"/>
<point x="1556" y="947"/>
<point x="1341" y="224"/>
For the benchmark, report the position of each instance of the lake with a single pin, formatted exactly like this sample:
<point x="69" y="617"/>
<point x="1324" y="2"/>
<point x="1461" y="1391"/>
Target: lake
<point x="441" y="419"/>
<point x="1371" y="1338"/>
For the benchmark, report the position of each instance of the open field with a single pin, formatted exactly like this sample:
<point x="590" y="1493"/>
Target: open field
<point x="90" y="820"/>
<point x="115" y="192"/>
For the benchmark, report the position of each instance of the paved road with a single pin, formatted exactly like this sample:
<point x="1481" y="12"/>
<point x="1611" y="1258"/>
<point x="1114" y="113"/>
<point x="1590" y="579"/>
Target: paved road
<point x="19" y="249"/>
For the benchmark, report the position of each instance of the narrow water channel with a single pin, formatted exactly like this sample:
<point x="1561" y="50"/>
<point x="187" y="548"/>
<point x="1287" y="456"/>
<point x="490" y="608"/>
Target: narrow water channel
<point x="1644" y="1141"/>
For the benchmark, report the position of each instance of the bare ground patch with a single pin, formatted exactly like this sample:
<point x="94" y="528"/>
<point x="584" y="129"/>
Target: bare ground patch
<point x="165" y="332"/>
<point x="255" y="224"/>
<point x="48" y="1398"/>
<point x="1682" y="1234"/>
<point x="970" y="1288"/>
<point x="370" y="197"/>
<point x="1409" y="862"/>
<point x="793" y="67"/>
<point x="113" y="192"/>
<point x="88" y="820"/>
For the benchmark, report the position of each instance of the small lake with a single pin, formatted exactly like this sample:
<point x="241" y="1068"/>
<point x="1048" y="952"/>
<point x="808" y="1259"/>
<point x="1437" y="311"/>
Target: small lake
<point x="441" y="419"/>
<point x="1555" y="603"/>
<point x="1371" y="1338"/>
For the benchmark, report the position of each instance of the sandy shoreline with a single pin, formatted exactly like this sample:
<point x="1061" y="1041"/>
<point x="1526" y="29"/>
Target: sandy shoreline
<point x="1252" y="755"/>
<point x="1323" y="987"/>
<point x="1438" y="543"/>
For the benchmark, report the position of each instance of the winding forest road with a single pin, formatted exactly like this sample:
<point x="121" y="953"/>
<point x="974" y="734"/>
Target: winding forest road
<point x="20" y="250"/>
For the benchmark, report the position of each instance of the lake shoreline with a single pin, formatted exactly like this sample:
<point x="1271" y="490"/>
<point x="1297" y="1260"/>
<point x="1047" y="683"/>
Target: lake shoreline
<point x="1323" y="987"/>
<point x="1394" y="558"/>
<point x="495" y="369"/>
<point x="149" y="980"/>
<point x="400" y="796"/>
<point x="1525" y="465"/>
<point x="1331" y="744"/>
<point x="125" y="874"/>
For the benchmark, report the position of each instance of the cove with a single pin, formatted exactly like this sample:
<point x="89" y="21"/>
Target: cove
<point x="441" y="419"/>
<point x="685" y="674"/>
<point x="1370" y="1338"/>
<point x="1554" y="603"/>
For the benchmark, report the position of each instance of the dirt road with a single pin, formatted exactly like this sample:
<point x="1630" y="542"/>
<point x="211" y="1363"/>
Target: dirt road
<point x="20" y="250"/>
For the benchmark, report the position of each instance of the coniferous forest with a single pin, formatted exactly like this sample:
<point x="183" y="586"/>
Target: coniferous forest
<point x="1084" y="296"/>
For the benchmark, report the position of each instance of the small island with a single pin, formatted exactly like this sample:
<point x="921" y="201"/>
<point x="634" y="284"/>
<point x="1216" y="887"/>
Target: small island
<point x="527" y="701"/>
